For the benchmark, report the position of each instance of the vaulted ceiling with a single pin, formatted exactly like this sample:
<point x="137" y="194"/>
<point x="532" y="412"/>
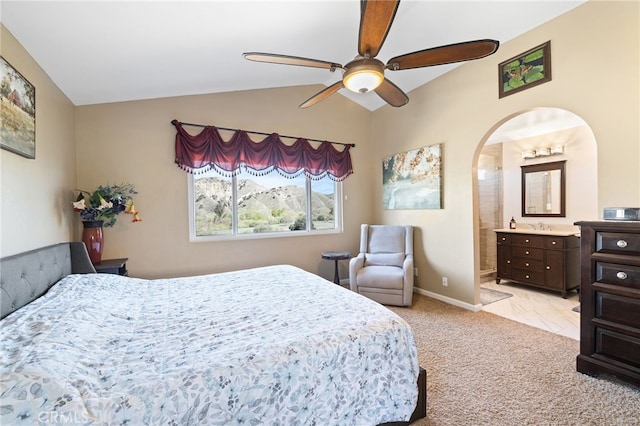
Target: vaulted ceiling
<point x="109" y="51"/>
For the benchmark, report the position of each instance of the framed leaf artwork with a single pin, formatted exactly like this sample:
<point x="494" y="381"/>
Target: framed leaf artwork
<point x="526" y="70"/>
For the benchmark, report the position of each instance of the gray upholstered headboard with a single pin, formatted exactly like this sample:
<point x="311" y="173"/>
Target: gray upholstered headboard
<point x="26" y="276"/>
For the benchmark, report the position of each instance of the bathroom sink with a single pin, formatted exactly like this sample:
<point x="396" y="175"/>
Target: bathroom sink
<point x="561" y="232"/>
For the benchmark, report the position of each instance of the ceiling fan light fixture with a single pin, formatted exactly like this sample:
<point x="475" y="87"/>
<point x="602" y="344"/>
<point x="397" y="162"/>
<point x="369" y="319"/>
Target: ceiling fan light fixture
<point x="366" y="73"/>
<point x="363" y="81"/>
<point x="363" y="75"/>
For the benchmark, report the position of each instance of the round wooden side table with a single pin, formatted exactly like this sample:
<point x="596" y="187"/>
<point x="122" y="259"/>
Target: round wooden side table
<point x="336" y="256"/>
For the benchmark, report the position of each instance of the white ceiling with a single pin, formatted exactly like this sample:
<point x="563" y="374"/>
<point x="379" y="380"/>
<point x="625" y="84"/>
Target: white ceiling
<point x="109" y="51"/>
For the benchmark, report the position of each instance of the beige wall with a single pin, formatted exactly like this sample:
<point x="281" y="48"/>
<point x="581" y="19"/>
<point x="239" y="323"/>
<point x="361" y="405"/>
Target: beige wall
<point x="35" y="195"/>
<point x="581" y="170"/>
<point x="134" y="142"/>
<point x="595" y="56"/>
<point x="595" y="51"/>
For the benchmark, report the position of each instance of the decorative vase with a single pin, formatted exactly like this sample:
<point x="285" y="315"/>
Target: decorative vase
<point x="94" y="240"/>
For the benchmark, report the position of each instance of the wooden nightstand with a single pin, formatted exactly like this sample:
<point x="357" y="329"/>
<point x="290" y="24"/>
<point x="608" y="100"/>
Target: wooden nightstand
<point x="112" y="266"/>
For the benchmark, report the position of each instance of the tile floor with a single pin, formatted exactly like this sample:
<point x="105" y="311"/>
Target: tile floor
<point x="536" y="307"/>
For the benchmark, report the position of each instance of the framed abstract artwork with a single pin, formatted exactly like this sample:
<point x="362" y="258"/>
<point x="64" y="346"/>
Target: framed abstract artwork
<point x="17" y="112"/>
<point x="413" y="179"/>
<point x="526" y="70"/>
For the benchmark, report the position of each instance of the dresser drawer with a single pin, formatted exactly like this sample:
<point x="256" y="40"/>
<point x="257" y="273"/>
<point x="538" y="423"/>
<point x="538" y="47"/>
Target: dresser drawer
<point x="618" y="347"/>
<point x="622" y="275"/>
<point x="528" y="240"/>
<point x="533" y="277"/>
<point x="618" y="309"/>
<point x="527" y="253"/>
<point x="610" y="299"/>
<point x="528" y="264"/>
<point x="614" y="242"/>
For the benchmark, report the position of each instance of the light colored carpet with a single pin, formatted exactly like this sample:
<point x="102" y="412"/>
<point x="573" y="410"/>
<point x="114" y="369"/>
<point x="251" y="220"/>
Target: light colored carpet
<point x="483" y="369"/>
<point x="488" y="295"/>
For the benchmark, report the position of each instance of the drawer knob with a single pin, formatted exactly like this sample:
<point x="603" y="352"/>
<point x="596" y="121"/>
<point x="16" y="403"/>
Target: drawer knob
<point x="526" y="276"/>
<point x="621" y="275"/>
<point x="553" y="243"/>
<point x="526" y="252"/>
<point x="526" y="241"/>
<point x="548" y="267"/>
<point x="621" y="243"/>
<point x="526" y="264"/>
<point x="508" y="261"/>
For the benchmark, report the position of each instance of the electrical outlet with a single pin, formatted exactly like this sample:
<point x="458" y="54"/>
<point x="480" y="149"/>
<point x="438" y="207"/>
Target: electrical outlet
<point x="445" y="281"/>
<point x="415" y="271"/>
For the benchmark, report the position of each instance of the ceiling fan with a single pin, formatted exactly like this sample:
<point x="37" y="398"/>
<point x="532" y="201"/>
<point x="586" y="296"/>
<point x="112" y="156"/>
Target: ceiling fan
<point x="365" y="72"/>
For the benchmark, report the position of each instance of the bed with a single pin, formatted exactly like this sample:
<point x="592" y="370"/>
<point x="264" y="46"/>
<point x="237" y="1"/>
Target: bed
<point x="270" y="345"/>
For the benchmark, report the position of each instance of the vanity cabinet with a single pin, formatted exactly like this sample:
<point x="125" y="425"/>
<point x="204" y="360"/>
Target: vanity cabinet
<point x="610" y="300"/>
<point x="546" y="261"/>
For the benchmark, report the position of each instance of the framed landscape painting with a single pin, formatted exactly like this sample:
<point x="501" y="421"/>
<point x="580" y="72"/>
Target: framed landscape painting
<point x="17" y="112"/>
<point x="526" y="70"/>
<point x="413" y="179"/>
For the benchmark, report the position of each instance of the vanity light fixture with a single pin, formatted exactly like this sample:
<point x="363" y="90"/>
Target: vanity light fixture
<point x="542" y="152"/>
<point x="558" y="149"/>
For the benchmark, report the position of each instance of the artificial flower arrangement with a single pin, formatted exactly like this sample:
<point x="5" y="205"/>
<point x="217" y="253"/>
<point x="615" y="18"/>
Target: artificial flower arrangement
<point x="105" y="203"/>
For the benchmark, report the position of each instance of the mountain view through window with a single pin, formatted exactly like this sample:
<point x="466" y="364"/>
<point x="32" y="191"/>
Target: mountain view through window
<point x="272" y="203"/>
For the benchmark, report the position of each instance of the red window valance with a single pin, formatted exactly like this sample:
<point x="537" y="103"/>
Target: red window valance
<point x="207" y="150"/>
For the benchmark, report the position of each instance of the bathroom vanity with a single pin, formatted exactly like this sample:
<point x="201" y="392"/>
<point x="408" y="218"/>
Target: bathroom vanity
<point x="548" y="259"/>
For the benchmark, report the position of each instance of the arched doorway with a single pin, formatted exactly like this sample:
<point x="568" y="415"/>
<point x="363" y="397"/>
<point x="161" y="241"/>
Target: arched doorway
<point x="496" y="171"/>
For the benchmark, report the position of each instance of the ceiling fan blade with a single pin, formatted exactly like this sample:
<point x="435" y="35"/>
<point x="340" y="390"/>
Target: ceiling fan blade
<point x="322" y="95"/>
<point x="391" y="93"/>
<point x="444" y="54"/>
<point x="273" y="58"/>
<point x="376" y="17"/>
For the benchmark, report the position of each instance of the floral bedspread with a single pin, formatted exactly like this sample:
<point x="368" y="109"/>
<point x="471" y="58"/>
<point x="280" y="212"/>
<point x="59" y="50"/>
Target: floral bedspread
<point x="273" y="345"/>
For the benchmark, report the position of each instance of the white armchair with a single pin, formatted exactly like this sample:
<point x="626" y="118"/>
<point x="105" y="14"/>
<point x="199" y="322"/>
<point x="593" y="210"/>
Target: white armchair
<point x="383" y="270"/>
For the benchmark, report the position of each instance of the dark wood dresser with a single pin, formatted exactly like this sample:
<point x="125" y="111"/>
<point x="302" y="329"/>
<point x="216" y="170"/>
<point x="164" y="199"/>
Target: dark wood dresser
<point x="547" y="261"/>
<point x="610" y="300"/>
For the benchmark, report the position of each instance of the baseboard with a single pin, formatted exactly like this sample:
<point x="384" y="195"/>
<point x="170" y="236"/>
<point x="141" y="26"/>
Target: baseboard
<point x="449" y="300"/>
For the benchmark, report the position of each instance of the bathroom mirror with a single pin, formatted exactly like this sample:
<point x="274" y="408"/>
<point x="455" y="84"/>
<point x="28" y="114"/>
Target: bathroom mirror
<point x="543" y="190"/>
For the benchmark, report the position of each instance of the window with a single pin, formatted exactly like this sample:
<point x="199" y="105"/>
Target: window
<point x="259" y="206"/>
